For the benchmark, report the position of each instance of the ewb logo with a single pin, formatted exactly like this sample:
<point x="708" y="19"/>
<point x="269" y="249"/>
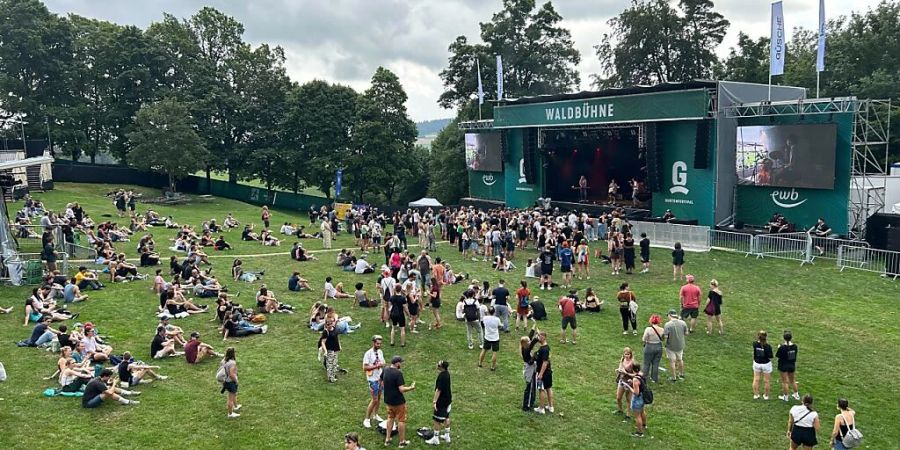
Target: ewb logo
<point x="679" y="178"/>
<point x="787" y="199"/>
<point x="488" y="180"/>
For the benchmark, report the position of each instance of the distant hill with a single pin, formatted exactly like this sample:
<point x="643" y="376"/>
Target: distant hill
<point x="431" y="127"/>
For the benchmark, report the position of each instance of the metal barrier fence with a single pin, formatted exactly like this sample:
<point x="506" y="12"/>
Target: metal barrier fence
<point x="828" y="248"/>
<point x="884" y="262"/>
<point x="731" y="241"/>
<point x="662" y="234"/>
<point x="783" y="247"/>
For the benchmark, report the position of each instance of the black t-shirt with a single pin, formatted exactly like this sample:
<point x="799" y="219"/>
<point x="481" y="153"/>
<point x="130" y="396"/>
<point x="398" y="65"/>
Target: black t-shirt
<point x="293" y="283"/>
<point x="443" y="384"/>
<point x="645" y="246"/>
<point x="393" y="379"/>
<point x="93" y="389"/>
<point x="501" y="294"/>
<point x="543" y="354"/>
<point x="230" y="327"/>
<point x="537" y="310"/>
<point x="332" y="343"/>
<point x="48" y="254"/>
<point x="787" y="357"/>
<point x="156" y="345"/>
<point x="65" y="341"/>
<point x="547" y="258"/>
<point x="397" y="302"/>
<point x="124" y="373"/>
<point x="762" y="353"/>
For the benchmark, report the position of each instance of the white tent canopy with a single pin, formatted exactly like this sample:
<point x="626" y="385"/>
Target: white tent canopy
<point x="425" y="202"/>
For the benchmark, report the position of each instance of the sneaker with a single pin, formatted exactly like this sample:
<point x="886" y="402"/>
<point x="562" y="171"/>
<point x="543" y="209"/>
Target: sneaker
<point x="634" y="332"/>
<point x="625" y="332"/>
<point x="796" y="396"/>
<point x="378" y="418"/>
<point x="234" y="415"/>
<point x="755" y="396"/>
<point x="550" y="409"/>
<point x="367" y="423"/>
<point x="783" y="398"/>
<point x="265" y="329"/>
<point x="446" y="437"/>
<point x="238" y="407"/>
<point x="637" y="435"/>
<point x="162" y="377"/>
<point x="765" y="397"/>
<point x="471" y="346"/>
<point x="133" y="402"/>
<point x="435" y="440"/>
<point x="540" y="410"/>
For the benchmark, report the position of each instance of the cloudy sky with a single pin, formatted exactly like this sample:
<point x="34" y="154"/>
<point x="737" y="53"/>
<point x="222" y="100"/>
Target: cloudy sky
<point x="345" y="40"/>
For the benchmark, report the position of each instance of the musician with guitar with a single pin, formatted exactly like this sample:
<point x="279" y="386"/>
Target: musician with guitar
<point x="583" y="189"/>
<point x="373" y="362"/>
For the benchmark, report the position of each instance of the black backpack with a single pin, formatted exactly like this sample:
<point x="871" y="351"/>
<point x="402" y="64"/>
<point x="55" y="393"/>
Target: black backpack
<point x="470" y="311"/>
<point x="646" y="392"/>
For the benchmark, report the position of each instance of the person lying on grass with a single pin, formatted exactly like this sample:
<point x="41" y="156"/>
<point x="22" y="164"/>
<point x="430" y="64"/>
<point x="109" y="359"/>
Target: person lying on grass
<point x="238" y="273"/>
<point x="237" y="326"/>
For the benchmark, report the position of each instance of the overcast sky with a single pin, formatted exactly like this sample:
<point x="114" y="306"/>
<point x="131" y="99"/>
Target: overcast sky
<point x="346" y="40"/>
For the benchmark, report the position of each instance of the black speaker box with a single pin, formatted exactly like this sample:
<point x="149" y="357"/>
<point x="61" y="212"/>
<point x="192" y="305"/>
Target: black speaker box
<point x="654" y="168"/>
<point x="701" y="146"/>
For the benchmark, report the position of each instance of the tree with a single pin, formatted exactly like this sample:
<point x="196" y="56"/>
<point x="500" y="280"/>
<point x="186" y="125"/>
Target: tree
<point x="382" y="139"/>
<point x="539" y="56"/>
<point x="748" y="62"/>
<point x="320" y="122"/>
<point x="164" y="140"/>
<point x="449" y="176"/>
<point x="653" y="42"/>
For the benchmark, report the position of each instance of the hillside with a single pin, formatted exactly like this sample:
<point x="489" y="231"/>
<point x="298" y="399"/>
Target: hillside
<point x="431" y="127"/>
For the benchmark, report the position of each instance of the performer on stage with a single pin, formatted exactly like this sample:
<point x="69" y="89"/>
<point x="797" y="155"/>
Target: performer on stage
<point x="582" y="189"/>
<point x="613" y="191"/>
<point x="635" y="190"/>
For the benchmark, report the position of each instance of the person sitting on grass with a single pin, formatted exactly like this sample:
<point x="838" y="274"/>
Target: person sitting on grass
<point x="363" y="267"/>
<point x="248" y="234"/>
<point x="100" y="389"/>
<point x="238" y="273"/>
<point x="208" y="289"/>
<point x="300" y="254"/>
<point x="195" y="350"/>
<point x="92" y="349"/>
<point x="230" y="222"/>
<point x="197" y="255"/>
<point x="235" y="326"/>
<point x="161" y="346"/>
<point x="148" y="256"/>
<point x="592" y="303"/>
<point x="297" y="283"/>
<point x="72" y="377"/>
<point x="38" y="306"/>
<point x="122" y="270"/>
<point x="178" y="306"/>
<point x="221" y="245"/>
<point x="266" y="302"/>
<point x="268" y="238"/>
<point x="170" y="223"/>
<point x="288" y="229"/>
<point x="87" y="279"/>
<point x="132" y="373"/>
<point x="332" y="293"/>
<point x="362" y="298"/>
<point x="317" y="316"/>
<point x="71" y="292"/>
<point x="213" y="227"/>
<point x="173" y="332"/>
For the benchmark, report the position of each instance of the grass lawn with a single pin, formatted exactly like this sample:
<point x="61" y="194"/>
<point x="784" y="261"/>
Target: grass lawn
<point x="845" y="324"/>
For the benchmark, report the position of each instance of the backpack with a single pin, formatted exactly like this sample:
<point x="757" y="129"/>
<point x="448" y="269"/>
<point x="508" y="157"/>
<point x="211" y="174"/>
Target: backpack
<point x="853" y="437"/>
<point x="646" y="392"/>
<point x="524" y="301"/>
<point x="470" y="311"/>
<point x="220" y="374"/>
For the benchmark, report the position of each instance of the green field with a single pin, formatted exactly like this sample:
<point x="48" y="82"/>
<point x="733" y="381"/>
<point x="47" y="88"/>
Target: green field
<point x="845" y="324"/>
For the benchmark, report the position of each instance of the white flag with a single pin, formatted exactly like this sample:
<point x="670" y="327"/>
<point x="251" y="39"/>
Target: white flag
<point x="776" y="52"/>
<point x="499" y="77"/>
<point x="820" y="57"/>
<point x="480" y="88"/>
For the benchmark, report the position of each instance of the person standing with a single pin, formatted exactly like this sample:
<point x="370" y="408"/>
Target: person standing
<point x="566" y="256"/>
<point x="325" y="228"/>
<point x="265" y="216"/>
<point x="645" y="253"/>
<point x="394" y="390"/>
<point x="526" y="345"/>
<point x="627" y="308"/>
<point x="229" y="379"/>
<point x="331" y="346"/>
<point x="567" y="308"/>
<point x="843" y="423"/>
<point x="443" y="398"/>
<point x="787" y="366"/>
<point x="546" y="257"/>
<point x="624" y="373"/>
<point x="677" y="261"/>
<point x="472" y="316"/>
<point x="652" y="340"/>
<point x="690" y="302"/>
<point x="373" y="363"/>
<point x="628" y="253"/>
<point x="803" y="423"/>
<point x="491" y="325"/>
<point x="637" y="400"/>
<point x="674" y="333"/>
<point x="398" y="312"/>
<point x="501" y="304"/>
<point x="762" y="364"/>
<point x="544" y="376"/>
<point x="523" y="301"/>
<point x="713" y="308"/>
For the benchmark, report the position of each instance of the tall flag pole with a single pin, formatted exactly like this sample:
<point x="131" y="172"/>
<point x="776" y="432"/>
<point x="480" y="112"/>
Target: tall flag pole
<point x="820" y="57"/>
<point x="499" y="77"/>
<point x="480" y="88"/>
<point x="776" y="52"/>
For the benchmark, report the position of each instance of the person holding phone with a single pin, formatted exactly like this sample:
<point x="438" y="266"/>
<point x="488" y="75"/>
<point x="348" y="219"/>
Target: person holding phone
<point x="394" y="390"/>
<point x="373" y="363"/>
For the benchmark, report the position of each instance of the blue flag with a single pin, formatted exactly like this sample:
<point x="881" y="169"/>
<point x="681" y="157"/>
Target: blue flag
<point x="337" y="183"/>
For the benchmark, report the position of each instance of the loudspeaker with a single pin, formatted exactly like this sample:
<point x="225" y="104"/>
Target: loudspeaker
<point x="893" y="239"/>
<point x="701" y="145"/>
<point x="654" y="168"/>
<point x="529" y="153"/>
<point x="877" y="227"/>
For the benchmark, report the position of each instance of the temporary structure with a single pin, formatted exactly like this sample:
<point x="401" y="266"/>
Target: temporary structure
<point x="425" y="202"/>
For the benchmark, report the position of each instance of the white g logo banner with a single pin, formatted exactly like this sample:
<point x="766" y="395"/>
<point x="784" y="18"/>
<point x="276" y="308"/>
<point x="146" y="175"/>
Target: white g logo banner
<point x="679" y="178"/>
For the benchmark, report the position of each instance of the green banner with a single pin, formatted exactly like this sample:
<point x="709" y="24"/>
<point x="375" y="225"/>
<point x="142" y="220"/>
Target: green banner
<point x="688" y="192"/>
<point x="690" y="104"/>
<point x="520" y="193"/>
<point x="486" y="185"/>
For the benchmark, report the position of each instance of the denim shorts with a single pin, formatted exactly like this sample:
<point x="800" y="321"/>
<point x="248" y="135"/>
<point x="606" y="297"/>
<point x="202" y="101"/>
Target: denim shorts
<point x="637" y="403"/>
<point x="375" y="388"/>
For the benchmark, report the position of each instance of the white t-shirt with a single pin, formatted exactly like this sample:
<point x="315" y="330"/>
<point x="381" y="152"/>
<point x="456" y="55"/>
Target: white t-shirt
<point x="361" y="266"/>
<point x="371" y="358"/>
<point x="387" y="286"/>
<point x="491" y="328"/>
<point x="408" y="283"/>
<point x="800" y="411"/>
<point x="330" y="291"/>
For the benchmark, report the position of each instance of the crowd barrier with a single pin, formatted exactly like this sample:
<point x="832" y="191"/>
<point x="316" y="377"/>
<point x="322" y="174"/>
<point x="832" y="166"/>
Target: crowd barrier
<point x="884" y="262"/>
<point x="731" y="241"/>
<point x="691" y="237"/>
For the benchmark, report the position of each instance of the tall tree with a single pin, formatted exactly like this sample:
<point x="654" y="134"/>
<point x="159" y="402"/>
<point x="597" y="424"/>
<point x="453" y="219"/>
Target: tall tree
<point x="747" y="62"/>
<point x="320" y="122"/>
<point x="539" y="56"/>
<point x="654" y="42"/>
<point x="449" y="176"/>
<point x="164" y="141"/>
<point x="382" y="139"/>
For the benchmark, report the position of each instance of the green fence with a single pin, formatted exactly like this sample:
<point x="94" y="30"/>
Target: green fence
<point x="254" y="195"/>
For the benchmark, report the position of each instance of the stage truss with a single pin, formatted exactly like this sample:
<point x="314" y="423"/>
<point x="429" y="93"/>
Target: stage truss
<point x="871" y="135"/>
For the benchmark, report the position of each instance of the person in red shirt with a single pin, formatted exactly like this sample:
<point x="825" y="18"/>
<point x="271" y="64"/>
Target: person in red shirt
<point x="690" y="302"/>
<point x="567" y="307"/>
<point x="195" y="350"/>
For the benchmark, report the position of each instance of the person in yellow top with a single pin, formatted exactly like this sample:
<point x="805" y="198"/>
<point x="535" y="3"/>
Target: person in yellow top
<point x="85" y="279"/>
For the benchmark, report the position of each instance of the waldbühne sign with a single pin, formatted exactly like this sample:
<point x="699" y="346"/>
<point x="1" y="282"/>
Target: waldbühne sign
<point x="690" y="104"/>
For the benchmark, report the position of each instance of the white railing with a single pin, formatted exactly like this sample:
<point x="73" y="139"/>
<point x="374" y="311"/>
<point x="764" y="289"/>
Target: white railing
<point x="789" y="247"/>
<point x="827" y="248"/>
<point x="884" y="262"/>
<point x="661" y="234"/>
<point x="731" y="241"/>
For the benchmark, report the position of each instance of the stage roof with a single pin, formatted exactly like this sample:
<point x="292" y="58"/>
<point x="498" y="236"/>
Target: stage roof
<point x="663" y="87"/>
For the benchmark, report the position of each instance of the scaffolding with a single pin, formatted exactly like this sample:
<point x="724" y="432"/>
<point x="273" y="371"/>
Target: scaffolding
<point x="870" y="142"/>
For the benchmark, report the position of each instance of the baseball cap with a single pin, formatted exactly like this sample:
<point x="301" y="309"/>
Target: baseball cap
<point x="397" y="359"/>
<point x="673" y="313"/>
<point x="88" y="325"/>
<point x="377" y="337"/>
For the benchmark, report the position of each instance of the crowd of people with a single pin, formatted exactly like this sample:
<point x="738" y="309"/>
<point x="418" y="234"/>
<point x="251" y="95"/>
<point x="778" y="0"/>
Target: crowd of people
<point x="405" y="285"/>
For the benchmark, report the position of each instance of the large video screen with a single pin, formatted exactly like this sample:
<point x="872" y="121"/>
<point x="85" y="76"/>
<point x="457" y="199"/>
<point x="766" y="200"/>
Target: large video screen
<point x="483" y="152"/>
<point x="796" y="156"/>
